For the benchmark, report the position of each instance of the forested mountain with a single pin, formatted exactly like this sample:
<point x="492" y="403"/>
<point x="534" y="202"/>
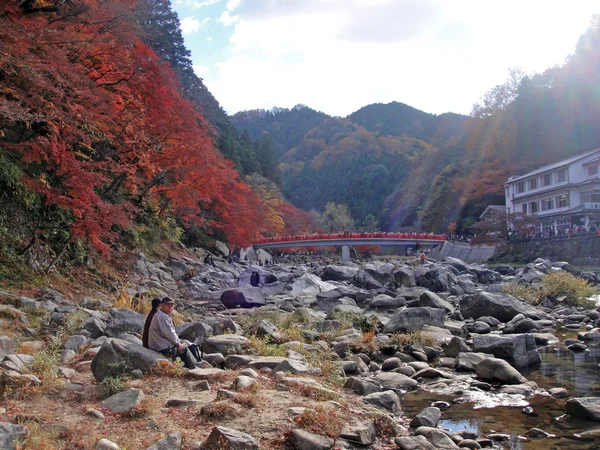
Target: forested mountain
<point x="409" y="168"/>
<point x="103" y="144"/>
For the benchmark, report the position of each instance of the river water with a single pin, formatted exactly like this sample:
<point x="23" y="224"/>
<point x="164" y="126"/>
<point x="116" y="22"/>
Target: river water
<point x="578" y="373"/>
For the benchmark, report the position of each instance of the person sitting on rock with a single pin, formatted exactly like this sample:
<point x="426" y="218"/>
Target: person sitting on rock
<point x="163" y="338"/>
<point x="155" y="305"/>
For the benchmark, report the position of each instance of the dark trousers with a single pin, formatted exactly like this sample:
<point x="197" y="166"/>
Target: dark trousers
<point x="189" y="355"/>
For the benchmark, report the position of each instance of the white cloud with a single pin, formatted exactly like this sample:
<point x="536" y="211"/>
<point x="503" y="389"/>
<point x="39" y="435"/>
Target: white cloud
<point x="190" y="24"/>
<point x="340" y="55"/>
<point x="226" y="19"/>
<point x="201" y="4"/>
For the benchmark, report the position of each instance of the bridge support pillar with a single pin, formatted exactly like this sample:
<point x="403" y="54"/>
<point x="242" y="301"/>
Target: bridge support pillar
<point x="345" y="253"/>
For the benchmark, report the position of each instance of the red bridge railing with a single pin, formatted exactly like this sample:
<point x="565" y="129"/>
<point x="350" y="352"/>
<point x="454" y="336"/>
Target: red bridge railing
<point x="345" y="236"/>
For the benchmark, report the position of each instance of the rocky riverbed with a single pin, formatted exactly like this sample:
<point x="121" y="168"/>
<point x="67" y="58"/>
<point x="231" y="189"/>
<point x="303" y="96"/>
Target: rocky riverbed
<point x="373" y="355"/>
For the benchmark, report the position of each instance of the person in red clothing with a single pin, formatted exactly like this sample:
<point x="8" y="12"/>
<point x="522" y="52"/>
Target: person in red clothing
<point x="422" y="258"/>
<point x="155" y="304"/>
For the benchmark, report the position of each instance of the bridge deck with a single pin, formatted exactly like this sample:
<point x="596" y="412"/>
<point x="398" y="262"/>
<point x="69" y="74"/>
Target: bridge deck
<point x="328" y="240"/>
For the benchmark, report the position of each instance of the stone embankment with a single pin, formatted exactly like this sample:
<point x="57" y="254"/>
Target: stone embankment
<point x="325" y="363"/>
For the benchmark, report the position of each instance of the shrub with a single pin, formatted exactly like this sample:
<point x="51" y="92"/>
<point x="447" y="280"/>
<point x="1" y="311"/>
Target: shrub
<point x="170" y="369"/>
<point x="110" y="386"/>
<point x="124" y="299"/>
<point x="218" y="411"/>
<point x="45" y="366"/>
<point x="249" y="400"/>
<point x="263" y="347"/>
<point x="560" y="286"/>
<point x="568" y="288"/>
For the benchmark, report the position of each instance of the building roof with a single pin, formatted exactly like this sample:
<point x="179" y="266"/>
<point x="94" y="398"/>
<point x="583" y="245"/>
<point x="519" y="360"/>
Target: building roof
<point x="491" y="209"/>
<point x="553" y="166"/>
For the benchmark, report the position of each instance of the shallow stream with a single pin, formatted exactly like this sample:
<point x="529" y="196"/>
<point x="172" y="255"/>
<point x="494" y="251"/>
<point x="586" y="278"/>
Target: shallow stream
<point x="579" y="373"/>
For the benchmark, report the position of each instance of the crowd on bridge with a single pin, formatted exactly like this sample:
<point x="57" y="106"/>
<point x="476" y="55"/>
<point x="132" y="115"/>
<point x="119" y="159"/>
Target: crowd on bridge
<point x="353" y="235"/>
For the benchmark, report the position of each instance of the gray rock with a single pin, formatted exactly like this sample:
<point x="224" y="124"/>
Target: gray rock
<point x="386" y="400"/>
<point x="494" y="369"/>
<point x="383" y="301"/>
<point x="362" y="386"/>
<point x="105" y="444"/>
<point x="519" y="324"/>
<point x="124" y="401"/>
<point x="297" y="367"/>
<point x="412" y="319"/>
<point x="11" y="434"/>
<point x="196" y="332"/>
<point x="433" y="300"/>
<point x="304" y="440"/>
<point x="95" y="327"/>
<point x="115" y="352"/>
<point x="479" y="327"/>
<point x="124" y="320"/>
<point x="242" y="382"/>
<point x="391" y="364"/>
<point x="584" y="407"/>
<point x="456" y="346"/>
<point x="75" y="343"/>
<point x="170" y="442"/>
<point x="498" y="305"/>
<point x="326" y="303"/>
<point x="404" y="276"/>
<point x="222" y="438"/>
<point x="466" y="362"/>
<point x="225" y="344"/>
<point x="413" y="443"/>
<point x="7" y="346"/>
<point x="362" y="434"/>
<point x="437" y="438"/>
<point x="392" y="380"/>
<point x="519" y="350"/>
<point x="428" y="417"/>
<point x="338" y="273"/>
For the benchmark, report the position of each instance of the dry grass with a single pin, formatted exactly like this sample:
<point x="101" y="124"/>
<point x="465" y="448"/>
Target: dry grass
<point x="39" y="439"/>
<point x="218" y="411"/>
<point x="324" y="421"/>
<point x="262" y="346"/>
<point x="124" y="299"/>
<point x="169" y="369"/>
<point x="403" y="341"/>
<point x="313" y="392"/>
<point x="247" y="399"/>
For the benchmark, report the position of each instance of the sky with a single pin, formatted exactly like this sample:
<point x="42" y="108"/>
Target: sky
<point x="337" y="56"/>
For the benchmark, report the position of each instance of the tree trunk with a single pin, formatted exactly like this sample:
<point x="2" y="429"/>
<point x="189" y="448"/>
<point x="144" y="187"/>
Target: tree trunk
<point x="60" y="255"/>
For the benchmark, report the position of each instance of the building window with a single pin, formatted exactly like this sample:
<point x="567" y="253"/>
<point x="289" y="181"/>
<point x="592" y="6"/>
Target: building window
<point x="593" y="170"/>
<point x="532" y="184"/>
<point x="563" y="224"/>
<point x="520" y="187"/>
<point x="561" y="176"/>
<point x="524" y="209"/>
<point x="533" y="206"/>
<point x="590" y="196"/>
<point x="547" y="179"/>
<point x="547" y="226"/>
<point x="562" y="201"/>
<point x="547" y="204"/>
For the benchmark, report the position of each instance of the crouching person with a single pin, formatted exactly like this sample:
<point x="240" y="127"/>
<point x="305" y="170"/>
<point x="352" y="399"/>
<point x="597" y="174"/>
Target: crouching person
<point x="163" y="338"/>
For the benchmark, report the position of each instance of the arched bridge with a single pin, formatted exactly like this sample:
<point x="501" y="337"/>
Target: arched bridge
<point x="347" y="239"/>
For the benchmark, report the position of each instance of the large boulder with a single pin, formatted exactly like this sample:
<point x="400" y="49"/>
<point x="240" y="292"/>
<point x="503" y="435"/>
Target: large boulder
<point x="379" y="270"/>
<point x="386" y="400"/>
<point x="225" y="344"/>
<point x="395" y="381"/>
<point x="309" y="285"/>
<point x="585" y="407"/>
<point x="496" y="304"/>
<point x="115" y="352"/>
<point x="250" y="297"/>
<point x="7" y="346"/>
<point x="404" y="276"/>
<point x="413" y="319"/>
<point x="519" y="350"/>
<point x="338" y="273"/>
<point x="433" y="300"/>
<point x="428" y="417"/>
<point x="124" y="401"/>
<point x="435" y="278"/>
<point x="494" y="369"/>
<point x="123" y="320"/>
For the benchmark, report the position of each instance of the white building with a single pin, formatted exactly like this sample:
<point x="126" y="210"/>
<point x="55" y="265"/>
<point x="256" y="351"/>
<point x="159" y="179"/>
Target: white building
<point x="559" y="195"/>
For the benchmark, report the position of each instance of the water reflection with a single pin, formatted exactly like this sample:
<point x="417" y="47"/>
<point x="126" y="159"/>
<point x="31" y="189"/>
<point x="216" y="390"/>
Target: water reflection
<point x="577" y="372"/>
